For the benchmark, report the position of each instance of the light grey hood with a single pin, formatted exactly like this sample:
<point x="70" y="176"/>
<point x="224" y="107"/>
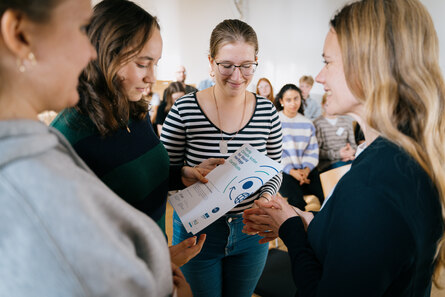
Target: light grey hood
<point x="26" y="138"/>
<point x="65" y="233"/>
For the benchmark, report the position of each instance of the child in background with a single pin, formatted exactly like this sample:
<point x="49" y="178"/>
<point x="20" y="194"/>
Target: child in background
<point x="335" y="139"/>
<point x="312" y="109"/>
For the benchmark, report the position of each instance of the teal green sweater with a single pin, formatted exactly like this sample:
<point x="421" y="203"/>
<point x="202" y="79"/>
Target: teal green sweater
<point x="135" y="164"/>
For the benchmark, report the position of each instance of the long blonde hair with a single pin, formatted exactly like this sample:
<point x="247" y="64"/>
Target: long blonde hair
<point x="390" y="57"/>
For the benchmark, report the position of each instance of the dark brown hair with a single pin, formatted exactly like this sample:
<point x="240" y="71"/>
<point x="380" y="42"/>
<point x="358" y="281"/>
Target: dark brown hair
<point x="172" y="88"/>
<point x="283" y="90"/>
<point x="37" y="10"/>
<point x="119" y="30"/>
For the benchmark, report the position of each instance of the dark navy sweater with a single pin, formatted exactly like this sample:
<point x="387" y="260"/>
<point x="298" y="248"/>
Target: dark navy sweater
<point x="377" y="234"/>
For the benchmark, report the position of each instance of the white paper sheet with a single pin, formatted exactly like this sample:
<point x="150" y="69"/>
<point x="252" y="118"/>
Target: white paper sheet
<point x="242" y="174"/>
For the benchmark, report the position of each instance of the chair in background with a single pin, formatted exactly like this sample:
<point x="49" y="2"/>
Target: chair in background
<point x="160" y="86"/>
<point x="331" y="177"/>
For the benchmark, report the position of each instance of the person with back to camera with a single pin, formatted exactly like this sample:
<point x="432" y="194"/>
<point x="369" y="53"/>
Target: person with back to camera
<point x="300" y="149"/>
<point x="173" y="92"/>
<point x="110" y="128"/>
<point x="336" y="139"/>
<point x="381" y="232"/>
<point x="214" y="123"/>
<point x="313" y="108"/>
<point x="63" y="232"/>
<point x="264" y="88"/>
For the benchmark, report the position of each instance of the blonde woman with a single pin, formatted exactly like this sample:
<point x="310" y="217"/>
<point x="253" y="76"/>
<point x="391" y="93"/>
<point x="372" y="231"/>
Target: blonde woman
<point x="379" y="232"/>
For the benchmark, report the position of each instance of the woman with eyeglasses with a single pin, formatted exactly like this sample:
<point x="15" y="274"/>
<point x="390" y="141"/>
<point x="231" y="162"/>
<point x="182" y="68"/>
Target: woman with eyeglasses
<point x="214" y="123"/>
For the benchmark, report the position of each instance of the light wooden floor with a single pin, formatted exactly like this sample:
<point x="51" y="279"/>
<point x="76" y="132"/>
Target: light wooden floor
<point x="169" y="230"/>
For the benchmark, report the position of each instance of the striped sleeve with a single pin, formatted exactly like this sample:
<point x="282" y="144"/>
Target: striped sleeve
<point x="351" y="136"/>
<point x="310" y="155"/>
<point x="173" y="136"/>
<point x="324" y="134"/>
<point x="300" y="147"/>
<point x="274" y="151"/>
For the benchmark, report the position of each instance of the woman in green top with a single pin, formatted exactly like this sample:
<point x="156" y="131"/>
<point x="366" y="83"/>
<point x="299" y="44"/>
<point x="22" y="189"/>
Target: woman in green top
<point x="110" y="129"/>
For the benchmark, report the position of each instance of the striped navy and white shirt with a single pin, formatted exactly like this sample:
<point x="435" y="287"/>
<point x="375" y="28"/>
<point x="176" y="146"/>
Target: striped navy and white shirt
<point x="300" y="146"/>
<point x="190" y="138"/>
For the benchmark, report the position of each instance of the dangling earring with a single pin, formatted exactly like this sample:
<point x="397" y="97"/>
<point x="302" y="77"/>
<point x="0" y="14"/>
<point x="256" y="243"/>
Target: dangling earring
<point x="32" y="58"/>
<point x="21" y="64"/>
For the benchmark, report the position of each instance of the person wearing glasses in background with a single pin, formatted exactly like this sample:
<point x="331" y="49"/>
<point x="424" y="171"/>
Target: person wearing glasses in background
<point x="214" y="123"/>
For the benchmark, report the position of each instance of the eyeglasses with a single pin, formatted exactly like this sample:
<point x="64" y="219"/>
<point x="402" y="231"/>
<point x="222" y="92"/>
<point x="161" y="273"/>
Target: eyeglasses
<point x="246" y="69"/>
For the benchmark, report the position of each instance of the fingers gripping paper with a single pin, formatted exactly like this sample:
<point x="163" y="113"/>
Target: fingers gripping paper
<point x="243" y="173"/>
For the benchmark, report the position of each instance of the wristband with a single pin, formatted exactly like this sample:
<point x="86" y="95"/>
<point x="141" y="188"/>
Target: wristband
<point x="268" y="200"/>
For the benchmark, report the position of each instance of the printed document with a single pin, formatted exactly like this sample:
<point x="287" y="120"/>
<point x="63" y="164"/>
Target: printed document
<point x="242" y="174"/>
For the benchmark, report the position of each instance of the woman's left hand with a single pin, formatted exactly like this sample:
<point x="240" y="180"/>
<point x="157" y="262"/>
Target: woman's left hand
<point x="181" y="285"/>
<point x="186" y="250"/>
<point x="267" y="219"/>
<point x="211" y="163"/>
<point x="191" y="175"/>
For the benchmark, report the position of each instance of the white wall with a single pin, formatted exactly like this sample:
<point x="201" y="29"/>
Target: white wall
<point x="290" y="32"/>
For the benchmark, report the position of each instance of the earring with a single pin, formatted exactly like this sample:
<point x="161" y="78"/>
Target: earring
<point x="282" y="105"/>
<point x="32" y="58"/>
<point x="212" y="74"/>
<point x="21" y="64"/>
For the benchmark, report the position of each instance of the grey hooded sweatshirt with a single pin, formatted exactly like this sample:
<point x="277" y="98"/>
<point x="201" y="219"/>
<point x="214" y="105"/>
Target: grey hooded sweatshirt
<point x="63" y="232"/>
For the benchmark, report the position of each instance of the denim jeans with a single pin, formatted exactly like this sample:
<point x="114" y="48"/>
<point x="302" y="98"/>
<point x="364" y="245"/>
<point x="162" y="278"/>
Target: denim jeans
<point x="230" y="262"/>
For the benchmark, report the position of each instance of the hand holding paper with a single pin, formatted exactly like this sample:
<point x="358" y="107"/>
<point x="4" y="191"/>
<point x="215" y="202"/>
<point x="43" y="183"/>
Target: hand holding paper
<point x="243" y="173"/>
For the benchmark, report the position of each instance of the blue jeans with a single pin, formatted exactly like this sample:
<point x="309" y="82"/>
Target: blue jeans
<point x="230" y="262"/>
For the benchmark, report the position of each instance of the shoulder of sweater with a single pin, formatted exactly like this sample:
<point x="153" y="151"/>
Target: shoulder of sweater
<point x="304" y="119"/>
<point x="384" y="160"/>
<point x="73" y="125"/>
<point x="320" y="120"/>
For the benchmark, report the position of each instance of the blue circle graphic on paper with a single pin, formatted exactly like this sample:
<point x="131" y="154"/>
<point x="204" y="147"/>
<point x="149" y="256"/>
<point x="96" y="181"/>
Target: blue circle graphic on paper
<point x="247" y="185"/>
<point x="215" y="210"/>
